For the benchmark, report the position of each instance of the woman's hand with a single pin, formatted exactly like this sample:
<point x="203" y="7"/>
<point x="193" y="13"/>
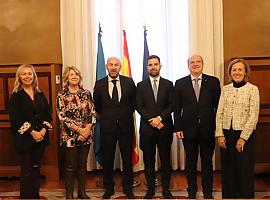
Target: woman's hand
<point x="42" y="132"/>
<point x="84" y="134"/>
<point x="240" y="145"/>
<point x="222" y="142"/>
<point x="37" y="136"/>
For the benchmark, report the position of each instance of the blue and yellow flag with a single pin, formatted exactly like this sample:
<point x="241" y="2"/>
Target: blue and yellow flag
<point x="100" y="73"/>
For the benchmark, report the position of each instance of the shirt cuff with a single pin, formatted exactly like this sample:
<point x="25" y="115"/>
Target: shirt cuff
<point x="24" y="127"/>
<point x="47" y="125"/>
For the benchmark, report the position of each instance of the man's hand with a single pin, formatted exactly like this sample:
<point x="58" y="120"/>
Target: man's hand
<point x="180" y="134"/>
<point x="154" y="121"/>
<point x="160" y="126"/>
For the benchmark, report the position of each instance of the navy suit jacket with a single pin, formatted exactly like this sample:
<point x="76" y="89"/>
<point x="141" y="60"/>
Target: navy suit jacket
<point x="112" y="113"/>
<point x="149" y="108"/>
<point x="188" y="112"/>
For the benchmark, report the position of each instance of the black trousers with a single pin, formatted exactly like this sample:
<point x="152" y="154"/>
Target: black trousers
<point x="206" y="149"/>
<point x="30" y="173"/>
<point x="148" y="144"/>
<point x="108" y="146"/>
<point x="237" y="167"/>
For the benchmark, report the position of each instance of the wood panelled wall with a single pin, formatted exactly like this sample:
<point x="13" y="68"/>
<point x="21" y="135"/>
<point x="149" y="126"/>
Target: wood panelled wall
<point x="246" y="28"/>
<point x="30" y="31"/>
<point x="247" y="35"/>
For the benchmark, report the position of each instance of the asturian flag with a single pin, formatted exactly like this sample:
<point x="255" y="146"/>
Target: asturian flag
<point x="100" y="73"/>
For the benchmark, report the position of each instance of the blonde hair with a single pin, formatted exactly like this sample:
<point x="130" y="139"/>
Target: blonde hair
<point x="66" y="74"/>
<point x="239" y="60"/>
<point x="18" y="82"/>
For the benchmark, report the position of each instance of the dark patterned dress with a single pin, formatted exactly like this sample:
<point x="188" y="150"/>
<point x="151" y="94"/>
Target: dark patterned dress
<point x="75" y="109"/>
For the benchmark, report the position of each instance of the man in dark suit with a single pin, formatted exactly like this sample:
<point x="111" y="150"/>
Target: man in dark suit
<point x="196" y="100"/>
<point x="114" y="98"/>
<point x="155" y="104"/>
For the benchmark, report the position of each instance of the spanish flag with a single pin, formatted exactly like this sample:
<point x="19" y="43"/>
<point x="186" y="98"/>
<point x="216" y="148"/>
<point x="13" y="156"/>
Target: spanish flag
<point x="126" y="71"/>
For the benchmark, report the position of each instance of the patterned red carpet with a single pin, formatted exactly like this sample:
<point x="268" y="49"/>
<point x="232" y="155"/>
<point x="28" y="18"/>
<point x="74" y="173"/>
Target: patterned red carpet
<point x="60" y="194"/>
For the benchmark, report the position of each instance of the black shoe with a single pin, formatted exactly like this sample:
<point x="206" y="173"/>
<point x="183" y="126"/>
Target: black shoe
<point x="192" y="196"/>
<point x="108" y="193"/>
<point x="83" y="196"/>
<point x="149" y="194"/>
<point x="167" y="194"/>
<point x="208" y="196"/>
<point x="129" y="193"/>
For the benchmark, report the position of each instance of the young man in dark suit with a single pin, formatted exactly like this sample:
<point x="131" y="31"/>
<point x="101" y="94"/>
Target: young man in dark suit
<point x="155" y="104"/>
<point x="114" y="98"/>
<point x="196" y="100"/>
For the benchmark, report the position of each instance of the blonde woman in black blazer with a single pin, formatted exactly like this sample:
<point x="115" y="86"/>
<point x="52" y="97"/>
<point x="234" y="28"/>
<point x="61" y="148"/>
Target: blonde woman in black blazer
<point x="30" y="119"/>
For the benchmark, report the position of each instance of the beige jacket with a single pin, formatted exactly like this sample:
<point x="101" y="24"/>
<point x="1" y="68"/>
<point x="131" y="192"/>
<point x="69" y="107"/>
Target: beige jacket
<point x="239" y="107"/>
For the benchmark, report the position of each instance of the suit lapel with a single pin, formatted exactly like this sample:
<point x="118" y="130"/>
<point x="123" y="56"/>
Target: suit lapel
<point x="123" y="92"/>
<point x="191" y="89"/>
<point x="106" y="84"/>
<point x="203" y="86"/>
<point x="160" y="88"/>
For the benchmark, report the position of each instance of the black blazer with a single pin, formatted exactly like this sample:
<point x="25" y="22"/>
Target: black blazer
<point x="188" y="112"/>
<point x="149" y="108"/>
<point x="112" y="113"/>
<point x="23" y="109"/>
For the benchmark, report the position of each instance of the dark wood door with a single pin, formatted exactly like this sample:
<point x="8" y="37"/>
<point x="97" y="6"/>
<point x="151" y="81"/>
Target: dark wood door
<point x="48" y="75"/>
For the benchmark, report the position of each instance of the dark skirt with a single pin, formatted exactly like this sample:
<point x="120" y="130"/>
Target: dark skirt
<point x="237" y="167"/>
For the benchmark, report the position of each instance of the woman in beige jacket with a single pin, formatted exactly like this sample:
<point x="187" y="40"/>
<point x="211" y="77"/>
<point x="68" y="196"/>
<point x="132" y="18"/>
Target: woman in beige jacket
<point x="236" y="120"/>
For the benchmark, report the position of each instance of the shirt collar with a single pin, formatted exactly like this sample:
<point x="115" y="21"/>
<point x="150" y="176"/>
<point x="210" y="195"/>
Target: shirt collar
<point x="154" y="78"/>
<point x="193" y="77"/>
<point x="110" y="79"/>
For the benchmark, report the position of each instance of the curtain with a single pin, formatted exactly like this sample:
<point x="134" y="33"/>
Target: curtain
<point x="176" y="30"/>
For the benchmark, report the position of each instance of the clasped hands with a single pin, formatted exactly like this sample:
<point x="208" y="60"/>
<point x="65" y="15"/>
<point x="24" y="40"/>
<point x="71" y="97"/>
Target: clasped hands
<point x="239" y="145"/>
<point x="38" y="135"/>
<point x="84" y="132"/>
<point x="156" y="123"/>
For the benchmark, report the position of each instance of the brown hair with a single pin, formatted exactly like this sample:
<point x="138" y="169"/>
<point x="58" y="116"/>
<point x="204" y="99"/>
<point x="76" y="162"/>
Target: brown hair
<point x="239" y="60"/>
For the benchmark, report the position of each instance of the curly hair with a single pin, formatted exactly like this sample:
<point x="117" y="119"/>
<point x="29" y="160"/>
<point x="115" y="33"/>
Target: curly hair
<point x="66" y="74"/>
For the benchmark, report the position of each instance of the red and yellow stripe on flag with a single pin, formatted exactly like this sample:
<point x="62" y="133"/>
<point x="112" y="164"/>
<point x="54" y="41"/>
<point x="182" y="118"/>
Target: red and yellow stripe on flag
<point x="126" y="71"/>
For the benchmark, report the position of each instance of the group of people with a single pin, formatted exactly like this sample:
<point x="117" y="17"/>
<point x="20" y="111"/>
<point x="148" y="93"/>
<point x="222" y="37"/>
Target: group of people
<point x="202" y="112"/>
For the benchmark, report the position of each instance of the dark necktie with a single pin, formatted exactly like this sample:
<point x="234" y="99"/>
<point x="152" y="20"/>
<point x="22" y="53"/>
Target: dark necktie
<point x="197" y="88"/>
<point x="115" y="91"/>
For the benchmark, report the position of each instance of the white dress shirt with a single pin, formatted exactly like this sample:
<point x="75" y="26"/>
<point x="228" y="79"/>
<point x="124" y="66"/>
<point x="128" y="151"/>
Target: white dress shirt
<point x="111" y="85"/>
<point x="193" y="80"/>
<point x="157" y="83"/>
<point x="154" y="78"/>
